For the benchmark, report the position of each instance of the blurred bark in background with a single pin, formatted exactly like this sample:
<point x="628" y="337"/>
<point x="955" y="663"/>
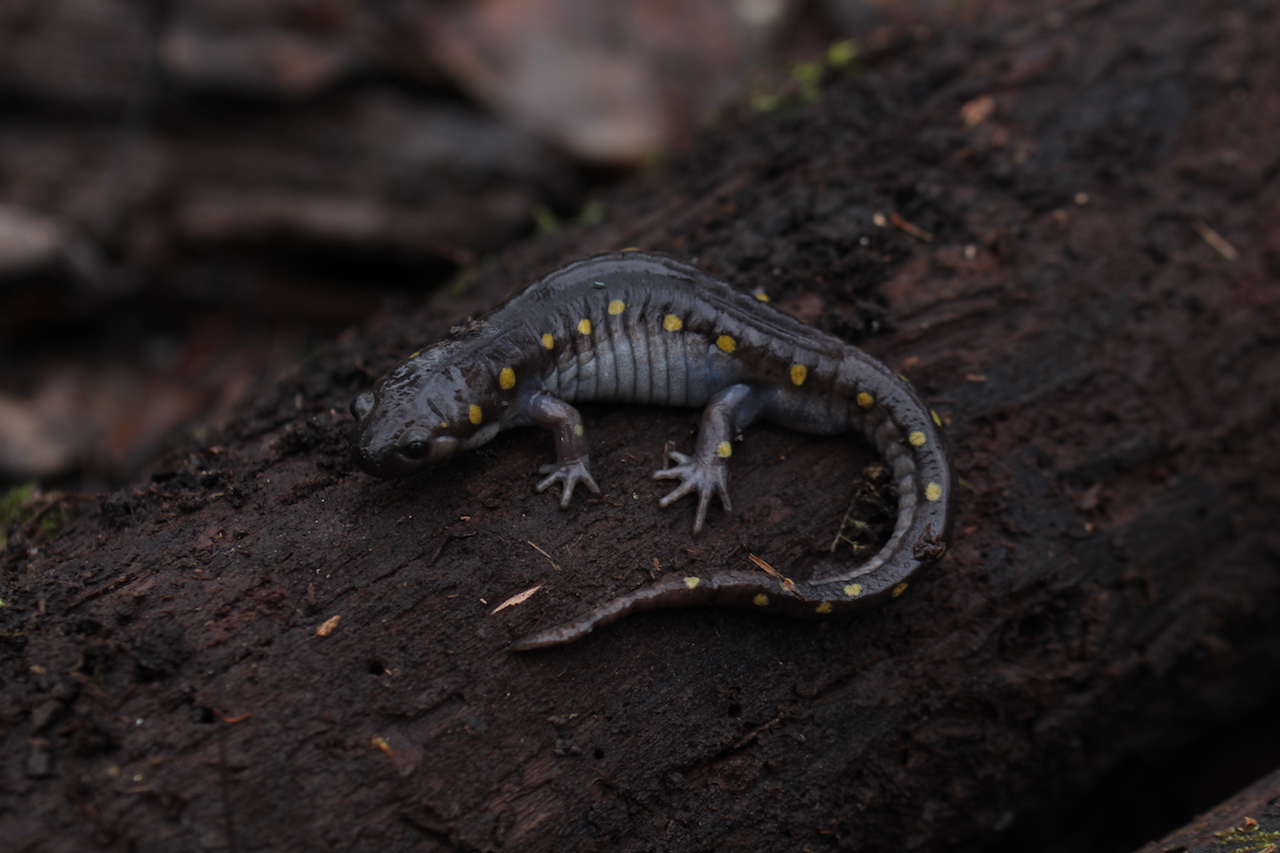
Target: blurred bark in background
<point x="194" y="191"/>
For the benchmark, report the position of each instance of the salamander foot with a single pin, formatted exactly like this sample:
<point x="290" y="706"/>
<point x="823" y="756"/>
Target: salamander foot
<point x="704" y="477"/>
<point x="570" y="473"/>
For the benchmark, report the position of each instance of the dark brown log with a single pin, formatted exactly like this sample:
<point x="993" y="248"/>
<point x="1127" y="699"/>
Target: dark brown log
<point x="1249" y="821"/>
<point x="1062" y="227"/>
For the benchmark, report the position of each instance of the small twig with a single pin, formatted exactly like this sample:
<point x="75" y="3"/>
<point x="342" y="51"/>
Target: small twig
<point x="1216" y="240"/>
<point x="761" y="564"/>
<point x="846" y="521"/>
<point x="914" y="230"/>
<point x="518" y="598"/>
<point x="328" y="626"/>
<point x="545" y="554"/>
<point x="786" y="582"/>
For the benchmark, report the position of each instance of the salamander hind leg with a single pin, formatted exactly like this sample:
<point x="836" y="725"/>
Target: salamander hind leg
<point x="707" y="471"/>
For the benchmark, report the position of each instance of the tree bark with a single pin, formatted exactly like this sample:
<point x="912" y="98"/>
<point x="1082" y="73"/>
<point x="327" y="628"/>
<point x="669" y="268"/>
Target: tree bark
<point x="1062" y="227"/>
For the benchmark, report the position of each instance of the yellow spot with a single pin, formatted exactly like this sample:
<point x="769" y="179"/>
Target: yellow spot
<point x="726" y="343"/>
<point x="444" y="424"/>
<point x="916" y="438"/>
<point x="937" y="420"/>
<point x="865" y="400"/>
<point x="763" y="297"/>
<point x="799" y="373"/>
<point x="760" y="600"/>
<point x="577" y="429"/>
<point x="475" y="414"/>
<point x="932" y="492"/>
<point x="672" y="323"/>
<point x="899" y="589"/>
<point x="823" y="609"/>
<point x="549" y="341"/>
<point x="507" y="378"/>
<point x="853" y="590"/>
<point x="584" y="326"/>
<point x="415" y="354"/>
<point x="692" y="583"/>
<point x="724" y="450"/>
<point x="617" y="306"/>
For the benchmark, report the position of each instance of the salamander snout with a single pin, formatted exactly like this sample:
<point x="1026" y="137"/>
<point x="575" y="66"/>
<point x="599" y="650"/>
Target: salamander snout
<point x="375" y="448"/>
<point x="387" y="450"/>
<point x="403" y="424"/>
<point x="389" y="459"/>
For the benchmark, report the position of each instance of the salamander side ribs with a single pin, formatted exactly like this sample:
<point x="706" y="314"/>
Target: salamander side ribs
<point x="638" y="328"/>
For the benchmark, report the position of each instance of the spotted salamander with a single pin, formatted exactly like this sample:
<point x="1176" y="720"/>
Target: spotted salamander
<point x="639" y="328"/>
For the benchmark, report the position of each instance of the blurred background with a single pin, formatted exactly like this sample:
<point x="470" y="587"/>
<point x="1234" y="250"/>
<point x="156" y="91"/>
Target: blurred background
<point x="194" y="194"/>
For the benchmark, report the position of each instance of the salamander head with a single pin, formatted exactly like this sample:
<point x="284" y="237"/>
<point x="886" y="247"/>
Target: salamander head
<point x="416" y="416"/>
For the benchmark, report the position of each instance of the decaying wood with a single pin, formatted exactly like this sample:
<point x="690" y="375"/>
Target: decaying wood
<point x="1249" y="821"/>
<point x="173" y="676"/>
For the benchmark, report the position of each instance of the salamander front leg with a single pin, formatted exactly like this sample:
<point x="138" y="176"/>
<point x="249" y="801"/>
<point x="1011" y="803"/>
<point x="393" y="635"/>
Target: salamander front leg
<point x="707" y="471"/>
<point x="573" y="462"/>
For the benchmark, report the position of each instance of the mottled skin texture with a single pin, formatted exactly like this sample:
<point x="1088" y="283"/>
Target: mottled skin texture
<point x="638" y="328"/>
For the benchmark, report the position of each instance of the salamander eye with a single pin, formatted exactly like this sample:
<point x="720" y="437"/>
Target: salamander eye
<point x="362" y="405"/>
<point x="415" y="448"/>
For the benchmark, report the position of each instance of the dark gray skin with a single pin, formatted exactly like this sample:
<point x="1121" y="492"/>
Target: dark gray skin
<point x="638" y="328"/>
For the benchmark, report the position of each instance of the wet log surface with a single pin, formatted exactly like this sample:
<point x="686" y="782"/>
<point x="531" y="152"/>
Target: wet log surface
<point x="1063" y="228"/>
<point x="1248" y="821"/>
